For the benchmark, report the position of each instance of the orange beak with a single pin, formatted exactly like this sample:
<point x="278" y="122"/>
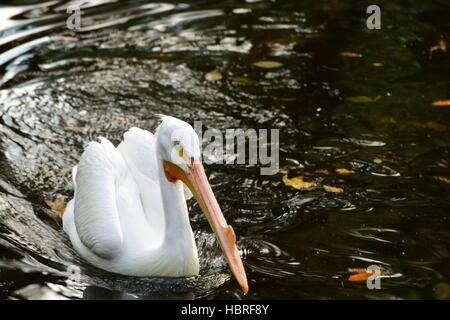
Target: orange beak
<point x="197" y="182"/>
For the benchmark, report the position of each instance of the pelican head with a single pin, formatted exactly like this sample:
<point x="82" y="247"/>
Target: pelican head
<point x="179" y="151"/>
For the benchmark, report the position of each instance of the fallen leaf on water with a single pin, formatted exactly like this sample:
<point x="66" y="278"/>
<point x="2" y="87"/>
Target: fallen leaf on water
<point x="268" y="64"/>
<point x="377" y="64"/>
<point x="298" y="183"/>
<point x="349" y="54"/>
<point x="214" y="75"/>
<point x="441" y="103"/>
<point x="442" y="179"/>
<point x="243" y="81"/>
<point x="363" y="99"/>
<point x="333" y="189"/>
<point x="440" y="46"/>
<point x="360" y="277"/>
<point x="57" y="207"/>
<point x="377" y="161"/>
<point x="322" y="171"/>
<point x="344" y="171"/>
<point x="363" y="275"/>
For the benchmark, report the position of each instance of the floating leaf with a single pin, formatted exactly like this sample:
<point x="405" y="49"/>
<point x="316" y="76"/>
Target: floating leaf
<point x="441" y="103"/>
<point x="322" y="171"/>
<point x="57" y="207"/>
<point x="214" y="75"/>
<point x="442" y="179"/>
<point x="377" y="161"/>
<point x="362" y="275"/>
<point x="344" y="171"/>
<point x="377" y="64"/>
<point x="268" y="64"/>
<point x="243" y="81"/>
<point x="442" y="46"/>
<point x="349" y="54"/>
<point x="298" y="183"/>
<point x="333" y="189"/>
<point x="363" y="99"/>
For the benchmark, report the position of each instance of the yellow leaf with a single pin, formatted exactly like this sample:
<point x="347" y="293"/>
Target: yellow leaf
<point x="57" y="207"/>
<point x="348" y="54"/>
<point x="442" y="179"/>
<point x="333" y="189"/>
<point x="243" y="81"/>
<point x="377" y="160"/>
<point x="268" y="64"/>
<point x="377" y="64"/>
<point x="363" y="99"/>
<point x="214" y="75"/>
<point x="298" y="183"/>
<point x="344" y="171"/>
<point x="441" y="103"/>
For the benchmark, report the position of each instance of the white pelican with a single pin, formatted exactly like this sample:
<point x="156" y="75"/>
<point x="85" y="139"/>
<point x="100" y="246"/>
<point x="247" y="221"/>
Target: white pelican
<point x="129" y="212"/>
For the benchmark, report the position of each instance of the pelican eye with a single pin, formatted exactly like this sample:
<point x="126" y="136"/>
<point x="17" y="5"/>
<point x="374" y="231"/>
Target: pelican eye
<point x="176" y="143"/>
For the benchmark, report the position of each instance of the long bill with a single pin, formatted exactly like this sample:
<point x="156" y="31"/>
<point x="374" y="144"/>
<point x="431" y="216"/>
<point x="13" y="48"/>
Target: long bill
<point x="197" y="182"/>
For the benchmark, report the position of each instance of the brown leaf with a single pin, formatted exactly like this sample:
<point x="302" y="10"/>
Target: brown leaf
<point x="214" y="75"/>
<point x="360" y="277"/>
<point x="344" y="171"/>
<point x="57" y="207"/>
<point x="298" y="183"/>
<point x="363" y="99"/>
<point x="349" y="54"/>
<point x="440" y="46"/>
<point x="362" y="274"/>
<point x="333" y="189"/>
<point x="441" y="103"/>
<point x="442" y="179"/>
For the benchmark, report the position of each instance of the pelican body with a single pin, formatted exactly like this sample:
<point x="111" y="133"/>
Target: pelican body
<point x="129" y="212"/>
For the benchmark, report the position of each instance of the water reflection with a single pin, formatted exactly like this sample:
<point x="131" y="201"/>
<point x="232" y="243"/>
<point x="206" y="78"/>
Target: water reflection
<point x="60" y="89"/>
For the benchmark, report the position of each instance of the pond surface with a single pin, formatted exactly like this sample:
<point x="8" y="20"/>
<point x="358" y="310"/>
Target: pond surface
<point x="345" y="97"/>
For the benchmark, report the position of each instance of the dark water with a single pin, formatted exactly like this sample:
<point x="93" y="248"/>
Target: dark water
<point x="60" y="89"/>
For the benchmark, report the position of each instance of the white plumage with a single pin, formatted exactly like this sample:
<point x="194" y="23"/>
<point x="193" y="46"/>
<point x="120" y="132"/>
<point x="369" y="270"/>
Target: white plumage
<point x="129" y="213"/>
